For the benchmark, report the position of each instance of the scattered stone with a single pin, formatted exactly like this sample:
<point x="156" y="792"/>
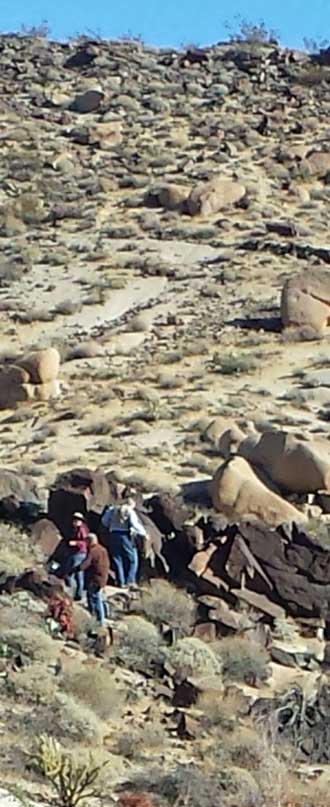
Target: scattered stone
<point x="215" y="195"/>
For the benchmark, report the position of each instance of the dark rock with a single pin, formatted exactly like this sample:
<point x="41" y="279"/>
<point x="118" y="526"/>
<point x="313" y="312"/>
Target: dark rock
<point x="83" y="57"/>
<point x="89" y="101"/>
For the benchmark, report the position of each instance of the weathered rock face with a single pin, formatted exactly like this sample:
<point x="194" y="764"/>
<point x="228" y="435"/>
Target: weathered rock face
<point x="217" y="194"/>
<point x="238" y="492"/>
<point x="42" y="366"/>
<point x="305" y="301"/>
<point x="34" y="378"/>
<point x="272" y="571"/>
<point x="46" y="535"/>
<point x="299" y="466"/>
<point x="168" y="513"/>
<point x="80" y="490"/>
<point x="13" y="484"/>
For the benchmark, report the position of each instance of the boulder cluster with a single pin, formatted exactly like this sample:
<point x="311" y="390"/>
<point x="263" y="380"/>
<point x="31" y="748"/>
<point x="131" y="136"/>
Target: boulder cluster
<point x="33" y="377"/>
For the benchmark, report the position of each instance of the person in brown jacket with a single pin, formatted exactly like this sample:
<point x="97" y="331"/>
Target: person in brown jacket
<point x="96" y="568"/>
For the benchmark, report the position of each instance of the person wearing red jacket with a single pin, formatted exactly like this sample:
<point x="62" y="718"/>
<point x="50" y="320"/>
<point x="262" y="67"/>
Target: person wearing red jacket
<point x="79" y="547"/>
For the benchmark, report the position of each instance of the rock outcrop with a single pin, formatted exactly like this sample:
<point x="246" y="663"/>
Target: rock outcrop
<point x="34" y="377"/>
<point x="297" y="465"/>
<point x="215" y="195"/>
<point x="238" y="492"/>
<point x="305" y="301"/>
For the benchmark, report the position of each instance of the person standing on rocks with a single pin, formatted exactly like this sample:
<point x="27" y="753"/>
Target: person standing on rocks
<point x="124" y="526"/>
<point x="78" y="546"/>
<point x="96" y="568"/>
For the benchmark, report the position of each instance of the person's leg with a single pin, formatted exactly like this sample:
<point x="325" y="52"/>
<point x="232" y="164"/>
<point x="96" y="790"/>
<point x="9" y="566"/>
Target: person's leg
<point x="131" y="555"/>
<point x="96" y="604"/>
<point x="116" y="552"/>
<point x="80" y="581"/>
<point x="76" y="578"/>
<point x="99" y="607"/>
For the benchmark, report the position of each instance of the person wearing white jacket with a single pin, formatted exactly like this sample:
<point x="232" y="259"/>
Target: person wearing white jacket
<point x="124" y="525"/>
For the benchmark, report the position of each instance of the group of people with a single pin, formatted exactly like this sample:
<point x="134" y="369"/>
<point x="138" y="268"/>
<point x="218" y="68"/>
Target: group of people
<point x="87" y="566"/>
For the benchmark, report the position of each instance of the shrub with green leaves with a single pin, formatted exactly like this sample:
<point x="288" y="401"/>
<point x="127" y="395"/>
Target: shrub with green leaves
<point x="95" y="687"/>
<point x="72" y="781"/>
<point x="197" y="656"/>
<point x="164" y="603"/>
<point x="242" y="659"/>
<point x="140" y="645"/>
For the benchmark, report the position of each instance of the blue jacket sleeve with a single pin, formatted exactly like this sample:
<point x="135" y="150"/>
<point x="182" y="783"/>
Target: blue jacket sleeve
<point x="106" y="518"/>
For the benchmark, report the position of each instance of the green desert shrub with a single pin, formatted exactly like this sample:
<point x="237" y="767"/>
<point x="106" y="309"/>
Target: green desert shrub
<point x="34" y="684"/>
<point x="31" y="641"/>
<point x="242" y="659"/>
<point x="163" y="602"/>
<point x="140" y="645"/>
<point x="96" y="688"/>
<point x="75" y="721"/>
<point x="196" y="655"/>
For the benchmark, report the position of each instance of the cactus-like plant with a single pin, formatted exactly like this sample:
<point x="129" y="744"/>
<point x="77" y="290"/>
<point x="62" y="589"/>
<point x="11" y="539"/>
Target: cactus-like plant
<point x="73" y="782"/>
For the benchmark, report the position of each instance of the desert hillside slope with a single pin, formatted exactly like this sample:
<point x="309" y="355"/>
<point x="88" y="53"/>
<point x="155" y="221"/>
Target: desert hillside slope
<point x="153" y="205"/>
<point x="91" y="237"/>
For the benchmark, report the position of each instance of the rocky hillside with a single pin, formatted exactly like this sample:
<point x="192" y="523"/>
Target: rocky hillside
<point x="153" y="206"/>
<point x="164" y="319"/>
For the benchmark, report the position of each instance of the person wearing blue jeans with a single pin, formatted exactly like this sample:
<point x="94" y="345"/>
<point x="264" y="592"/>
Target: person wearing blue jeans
<point x="96" y="568"/>
<point x="123" y="525"/>
<point x="75" y="578"/>
<point x="95" y="603"/>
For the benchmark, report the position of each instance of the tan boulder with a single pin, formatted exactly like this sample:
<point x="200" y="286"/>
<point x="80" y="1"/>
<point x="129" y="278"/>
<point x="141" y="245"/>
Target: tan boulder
<point x="305" y="301"/>
<point x="230" y="440"/>
<point x="319" y="163"/>
<point x="238" y="492"/>
<point x="106" y="134"/>
<point x="43" y="365"/>
<point x="45" y="392"/>
<point x="298" y="465"/>
<point x="217" y="194"/>
<point x="172" y="197"/>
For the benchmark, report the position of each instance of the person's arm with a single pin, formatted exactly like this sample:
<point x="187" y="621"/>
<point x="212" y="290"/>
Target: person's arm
<point x="136" y="525"/>
<point x="106" y="518"/>
<point x="87" y="563"/>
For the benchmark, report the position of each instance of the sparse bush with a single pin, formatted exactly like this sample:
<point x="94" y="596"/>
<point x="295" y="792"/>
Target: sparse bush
<point x="246" y="748"/>
<point x="13" y="561"/>
<point x="254" y="33"/>
<point x="163" y="602"/>
<point x="34" y="684"/>
<point x="133" y="743"/>
<point x="233" y="364"/>
<point x="198" y="656"/>
<point x="32" y="31"/>
<point x="218" y="710"/>
<point x="30" y="641"/>
<point x="140" y="646"/>
<point x="95" y="687"/>
<point x="243" y="660"/>
<point x="186" y="784"/>
<point x="73" y="720"/>
<point x="240" y="788"/>
<point x="73" y="782"/>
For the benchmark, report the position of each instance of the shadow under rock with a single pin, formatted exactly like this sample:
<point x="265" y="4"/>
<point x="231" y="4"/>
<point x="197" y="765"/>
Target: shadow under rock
<point x="197" y="492"/>
<point x="270" y="324"/>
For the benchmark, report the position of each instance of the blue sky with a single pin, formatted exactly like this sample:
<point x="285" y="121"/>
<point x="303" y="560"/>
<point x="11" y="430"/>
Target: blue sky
<point x="169" y="22"/>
